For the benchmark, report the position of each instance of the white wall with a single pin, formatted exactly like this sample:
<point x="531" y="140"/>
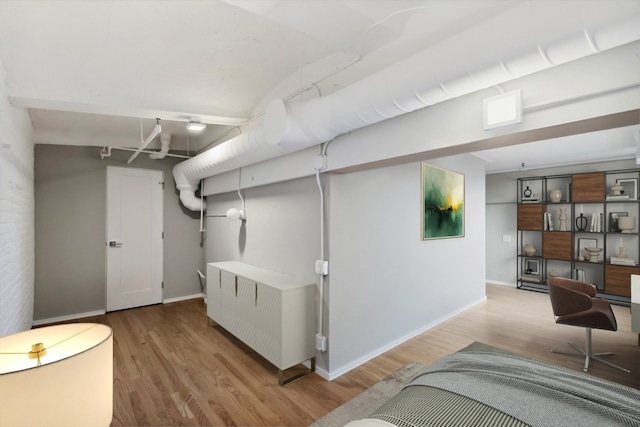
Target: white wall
<point x="16" y="217"/>
<point x="386" y="283"/>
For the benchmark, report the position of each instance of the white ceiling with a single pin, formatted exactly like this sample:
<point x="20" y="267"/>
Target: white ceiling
<point x="100" y="72"/>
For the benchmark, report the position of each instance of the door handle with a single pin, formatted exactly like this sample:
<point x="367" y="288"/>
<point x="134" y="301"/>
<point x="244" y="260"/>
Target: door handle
<point x="114" y="244"/>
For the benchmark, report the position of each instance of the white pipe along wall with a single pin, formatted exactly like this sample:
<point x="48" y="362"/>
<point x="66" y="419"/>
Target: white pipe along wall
<point x="420" y="81"/>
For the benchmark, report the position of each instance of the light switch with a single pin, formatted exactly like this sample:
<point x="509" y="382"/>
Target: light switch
<point x="506" y="237"/>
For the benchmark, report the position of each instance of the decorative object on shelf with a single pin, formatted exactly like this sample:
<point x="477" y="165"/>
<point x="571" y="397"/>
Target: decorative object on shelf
<point x="555" y="196"/>
<point x="623" y="261"/>
<point x="548" y="221"/>
<point x="630" y="187"/>
<point x="621" y="250"/>
<point x="626" y="224"/>
<point x="594" y="253"/>
<point x="527" y="191"/>
<point x="616" y="189"/>
<point x="581" y="223"/>
<point x="583" y="244"/>
<point x="531" y="270"/>
<point x="613" y="220"/>
<point x="442" y="203"/>
<point x="529" y="250"/>
<point x="553" y="273"/>
<point x="596" y="222"/>
<point x="563" y="219"/>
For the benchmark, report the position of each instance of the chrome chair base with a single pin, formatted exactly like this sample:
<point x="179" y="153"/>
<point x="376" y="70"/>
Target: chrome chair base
<point x="588" y="354"/>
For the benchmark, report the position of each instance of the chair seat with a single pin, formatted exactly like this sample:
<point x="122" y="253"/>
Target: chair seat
<point x="599" y="316"/>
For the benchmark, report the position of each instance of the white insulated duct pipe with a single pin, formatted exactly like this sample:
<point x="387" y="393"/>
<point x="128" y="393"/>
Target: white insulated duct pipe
<point x="512" y="47"/>
<point x="165" y="141"/>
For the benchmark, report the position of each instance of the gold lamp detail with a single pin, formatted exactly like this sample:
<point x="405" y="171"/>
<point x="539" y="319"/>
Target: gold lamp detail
<point x="73" y="374"/>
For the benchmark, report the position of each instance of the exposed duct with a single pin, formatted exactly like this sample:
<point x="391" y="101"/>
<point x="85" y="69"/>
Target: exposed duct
<point x="513" y="47"/>
<point x="165" y="141"/>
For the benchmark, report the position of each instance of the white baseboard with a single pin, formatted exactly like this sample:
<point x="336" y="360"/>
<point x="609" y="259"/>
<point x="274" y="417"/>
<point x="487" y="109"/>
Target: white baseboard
<point x="346" y="368"/>
<point x="183" y="298"/>
<point x="498" y="282"/>
<point x="67" y="317"/>
<point x="101" y="312"/>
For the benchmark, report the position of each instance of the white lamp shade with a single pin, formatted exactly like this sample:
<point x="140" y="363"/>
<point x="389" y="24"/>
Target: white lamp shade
<point x="72" y="387"/>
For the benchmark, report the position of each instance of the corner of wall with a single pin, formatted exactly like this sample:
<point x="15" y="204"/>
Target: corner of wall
<point x="16" y="216"/>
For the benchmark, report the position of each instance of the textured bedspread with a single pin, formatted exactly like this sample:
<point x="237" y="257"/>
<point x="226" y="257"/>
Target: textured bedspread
<point x="532" y="392"/>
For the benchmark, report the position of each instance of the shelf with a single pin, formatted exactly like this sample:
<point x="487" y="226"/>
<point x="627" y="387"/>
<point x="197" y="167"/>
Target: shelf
<point x="558" y="251"/>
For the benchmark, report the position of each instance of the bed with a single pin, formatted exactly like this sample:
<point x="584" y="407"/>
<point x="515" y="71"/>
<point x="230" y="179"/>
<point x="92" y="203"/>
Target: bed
<point x="482" y="385"/>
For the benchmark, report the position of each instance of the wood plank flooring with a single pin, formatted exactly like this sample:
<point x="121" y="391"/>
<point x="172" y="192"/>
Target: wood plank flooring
<point x="170" y="368"/>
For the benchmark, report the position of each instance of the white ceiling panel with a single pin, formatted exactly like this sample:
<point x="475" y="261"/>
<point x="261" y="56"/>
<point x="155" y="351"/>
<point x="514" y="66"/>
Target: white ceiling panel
<point x="96" y="72"/>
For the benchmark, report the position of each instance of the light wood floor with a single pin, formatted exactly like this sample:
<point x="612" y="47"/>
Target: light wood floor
<point x="171" y="368"/>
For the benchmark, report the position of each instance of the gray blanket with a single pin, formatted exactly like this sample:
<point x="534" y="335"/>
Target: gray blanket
<point x="534" y="392"/>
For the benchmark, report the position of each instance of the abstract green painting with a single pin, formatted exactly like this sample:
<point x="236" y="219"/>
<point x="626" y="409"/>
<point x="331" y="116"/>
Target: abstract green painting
<point x="442" y="203"/>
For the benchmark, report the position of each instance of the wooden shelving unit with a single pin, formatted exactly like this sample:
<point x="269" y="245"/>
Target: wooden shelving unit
<point x="587" y="200"/>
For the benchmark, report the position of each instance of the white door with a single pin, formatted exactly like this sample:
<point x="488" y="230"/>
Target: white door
<point x="134" y="237"/>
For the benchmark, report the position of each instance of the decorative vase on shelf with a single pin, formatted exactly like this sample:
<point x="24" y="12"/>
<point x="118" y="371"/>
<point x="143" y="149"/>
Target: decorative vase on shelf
<point x="616" y="189"/>
<point x="594" y="253"/>
<point x="555" y="196"/>
<point x="626" y="224"/>
<point x="581" y="222"/>
<point x="529" y="250"/>
<point x="563" y="219"/>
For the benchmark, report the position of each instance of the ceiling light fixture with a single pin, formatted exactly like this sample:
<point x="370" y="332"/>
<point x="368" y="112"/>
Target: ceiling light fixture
<point x="502" y="110"/>
<point x="196" y="126"/>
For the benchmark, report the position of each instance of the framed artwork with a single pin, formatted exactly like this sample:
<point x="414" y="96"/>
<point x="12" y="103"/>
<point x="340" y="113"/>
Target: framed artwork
<point x="586" y="243"/>
<point x="532" y="267"/>
<point x="629" y="187"/>
<point x="442" y="203"/>
<point x="613" y="220"/>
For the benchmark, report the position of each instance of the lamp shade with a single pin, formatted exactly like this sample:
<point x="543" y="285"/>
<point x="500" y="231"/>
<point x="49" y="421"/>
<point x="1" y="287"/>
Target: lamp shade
<point x="69" y="383"/>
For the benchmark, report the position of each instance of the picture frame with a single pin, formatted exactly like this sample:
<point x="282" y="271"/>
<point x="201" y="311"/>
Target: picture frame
<point x="586" y="243"/>
<point x="532" y="267"/>
<point x="442" y="210"/>
<point x="613" y="220"/>
<point x="630" y="187"/>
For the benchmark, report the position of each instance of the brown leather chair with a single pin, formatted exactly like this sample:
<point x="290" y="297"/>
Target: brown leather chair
<point x="574" y="303"/>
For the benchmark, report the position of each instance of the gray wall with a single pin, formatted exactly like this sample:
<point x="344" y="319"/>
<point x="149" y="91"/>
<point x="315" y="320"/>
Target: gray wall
<point x="70" y="218"/>
<point x="280" y="233"/>
<point x="384" y="278"/>
<point x="378" y="264"/>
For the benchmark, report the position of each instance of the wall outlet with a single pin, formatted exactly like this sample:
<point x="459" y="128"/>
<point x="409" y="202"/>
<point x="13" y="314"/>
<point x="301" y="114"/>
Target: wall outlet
<point x="321" y="342"/>
<point x="322" y="267"/>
